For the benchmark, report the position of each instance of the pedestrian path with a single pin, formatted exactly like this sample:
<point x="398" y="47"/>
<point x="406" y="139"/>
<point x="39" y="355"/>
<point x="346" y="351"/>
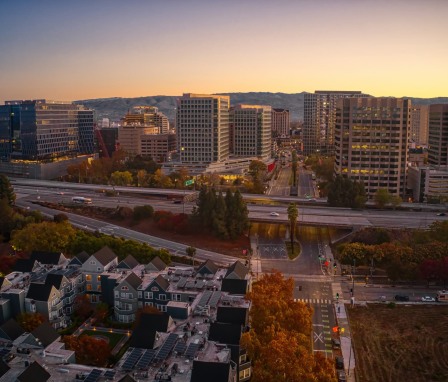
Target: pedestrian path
<point x="322" y="301"/>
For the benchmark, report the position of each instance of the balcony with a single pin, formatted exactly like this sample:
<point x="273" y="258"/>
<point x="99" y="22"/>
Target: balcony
<point x="122" y="310"/>
<point x="57" y="306"/>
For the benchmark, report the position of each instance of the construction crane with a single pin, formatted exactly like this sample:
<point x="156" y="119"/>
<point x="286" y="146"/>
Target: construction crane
<point x="100" y="140"/>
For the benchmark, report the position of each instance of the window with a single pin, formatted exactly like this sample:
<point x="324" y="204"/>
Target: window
<point x="98" y="288"/>
<point x="154" y="289"/>
<point x="176" y="297"/>
<point x="149" y="304"/>
<point x="88" y="277"/>
<point x="98" y="278"/>
<point x="89" y="287"/>
<point x="148" y="296"/>
<point x="163" y="308"/>
<point x="162" y="297"/>
<point x="93" y="262"/>
<point x="140" y="294"/>
<point x="123" y="295"/>
<point x="245" y="373"/>
<point x="98" y="269"/>
<point x="117" y="294"/>
<point x="124" y="288"/>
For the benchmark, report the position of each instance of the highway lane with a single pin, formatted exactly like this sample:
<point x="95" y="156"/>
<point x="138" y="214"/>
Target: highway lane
<point x="96" y="225"/>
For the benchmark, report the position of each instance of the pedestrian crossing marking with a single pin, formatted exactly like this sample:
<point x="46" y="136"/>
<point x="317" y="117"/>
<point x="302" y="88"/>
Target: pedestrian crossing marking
<point x="313" y="301"/>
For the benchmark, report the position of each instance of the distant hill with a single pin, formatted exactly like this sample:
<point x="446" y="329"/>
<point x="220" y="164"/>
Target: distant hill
<point x="115" y="108"/>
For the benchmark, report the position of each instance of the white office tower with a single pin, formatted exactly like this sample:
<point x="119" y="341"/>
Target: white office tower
<point x="251" y="131"/>
<point x="202" y="123"/>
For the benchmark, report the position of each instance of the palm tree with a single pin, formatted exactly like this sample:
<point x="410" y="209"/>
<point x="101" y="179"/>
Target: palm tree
<point x="293" y="213"/>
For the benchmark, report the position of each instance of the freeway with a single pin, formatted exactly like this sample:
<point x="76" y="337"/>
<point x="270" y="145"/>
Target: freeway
<point x="309" y="214"/>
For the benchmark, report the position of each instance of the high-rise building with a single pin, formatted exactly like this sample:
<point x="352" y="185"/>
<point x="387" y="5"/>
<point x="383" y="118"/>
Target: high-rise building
<point x="251" y="131"/>
<point x="280" y="122"/>
<point x="147" y="116"/>
<point x="130" y="137"/>
<point x="319" y="120"/>
<point x="371" y="142"/>
<point x="438" y="135"/>
<point x="419" y="124"/>
<point x="159" y="147"/>
<point x="43" y="130"/>
<point x="202" y="125"/>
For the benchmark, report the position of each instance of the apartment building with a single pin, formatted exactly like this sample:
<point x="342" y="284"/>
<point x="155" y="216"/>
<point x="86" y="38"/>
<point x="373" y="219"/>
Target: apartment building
<point x="251" y="131"/>
<point x="319" y="120"/>
<point x="371" y="142"/>
<point x="280" y="122"/>
<point x="147" y="116"/>
<point x="438" y="135"/>
<point x="419" y="124"/>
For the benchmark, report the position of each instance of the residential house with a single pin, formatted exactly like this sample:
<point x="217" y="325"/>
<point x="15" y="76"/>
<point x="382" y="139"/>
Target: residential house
<point x="155" y="265"/>
<point x="128" y="263"/>
<point x="10" y="331"/>
<point x="145" y="334"/>
<point x="34" y="373"/>
<point x="155" y="293"/>
<point x="209" y="268"/>
<point x="101" y="261"/>
<point x="48" y="258"/>
<point x="45" y="334"/>
<point x="79" y="259"/>
<point x="237" y="279"/>
<point x="25" y="265"/>
<point x="46" y="299"/>
<point x="125" y="298"/>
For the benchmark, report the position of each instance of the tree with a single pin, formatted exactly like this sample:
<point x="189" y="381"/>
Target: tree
<point x="59" y="218"/>
<point x="191" y="251"/>
<point x="6" y="190"/>
<point x="381" y="197"/>
<point x="83" y="308"/>
<point x="395" y="201"/>
<point x="143" y="212"/>
<point x="293" y="213"/>
<point x="101" y="312"/>
<point x="88" y="350"/>
<point x="45" y="236"/>
<point x="257" y="170"/>
<point x="219" y="226"/>
<point x="30" y="321"/>
<point x="121" y="178"/>
<point x="142" y="178"/>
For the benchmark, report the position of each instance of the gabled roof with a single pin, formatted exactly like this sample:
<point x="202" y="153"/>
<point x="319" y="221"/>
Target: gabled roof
<point x="4" y="368"/>
<point x="55" y="280"/>
<point x="143" y="336"/>
<point x="11" y="330"/>
<point x="52" y="258"/>
<point x="133" y="280"/>
<point x="39" y="292"/>
<point x="24" y="265"/>
<point x="210" y="371"/>
<point x="128" y="263"/>
<point x="127" y="378"/>
<point x="4" y="282"/>
<point x="229" y="334"/>
<point x="237" y="271"/>
<point x="162" y="282"/>
<point x="157" y="263"/>
<point x="75" y="261"/>
<point x="45" y="333"/>
<point x="34" y="373"/>
<point x="82" y="256"/>
<point x="208" y="267"/>
<point x="105" y="255"/>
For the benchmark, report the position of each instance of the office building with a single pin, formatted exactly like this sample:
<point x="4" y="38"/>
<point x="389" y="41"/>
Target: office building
<point x="130" y="137"/>
<point x="319" y="120"/>
<point x="419" y="124"/>
<point x="280" y="122"/>
<point x="202" y="124"/>
<point x="371" y="142"/>
<point x="159" y="147"/>
<point x="147" y="116"/>
<point x="438" y="135"/>
<point x="40" y="138"/>
<point x="251" y="131"/>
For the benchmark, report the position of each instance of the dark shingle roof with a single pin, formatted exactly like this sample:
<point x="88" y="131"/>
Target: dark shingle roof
<point x="158" y="263"/>
<point x="11" y="330"/>
<point x="210" y="371"/>
<point x="82" y="256"/>
<point x="55" y="280"/>
<point x="34" y="373"/>
<point x="223" y="333"/>
<point x="39" y="292"/>
<point x="208" y="267"/>
<point x="144" y="334"/>
<point x="129" y="262"/>
<point x="45" y="333"/>
<point x="24" y="265"/>
<point x="237" y="270"/>
<point x="52" y="258"/>
<point x="232" y="315"/>
<point x="133" y="280"/>
<point x="105" y="255"/>
<point x="127" y="378"/>
<point x="163" y="282"/>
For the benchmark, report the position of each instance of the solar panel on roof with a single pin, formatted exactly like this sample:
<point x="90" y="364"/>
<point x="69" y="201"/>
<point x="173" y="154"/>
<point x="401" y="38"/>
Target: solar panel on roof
<point x="146" y="359"/>
<point x="204" y="298"/>
<point x="192" y="350"/>
<point x="93" y="376"/>
<point x="214" y="299"/>
<point x="180" y="347"/>
<point x="109" y="374"/>
<point x="200" y="284"/>
<point x="182" y="282"/>
<point x="132" y="359"/>
<point x="167" y="346"/>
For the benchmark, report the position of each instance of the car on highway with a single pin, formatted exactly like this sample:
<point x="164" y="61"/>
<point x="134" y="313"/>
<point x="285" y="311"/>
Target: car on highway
<point x="274" y="214"/>
<point x="441" y="214"/>
<point x="428" y="299"/>
<point x="401" y="297"/>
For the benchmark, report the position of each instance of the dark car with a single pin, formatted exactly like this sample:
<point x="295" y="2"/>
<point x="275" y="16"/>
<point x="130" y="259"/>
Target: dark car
<point x="335" y="343"/>
<point x="339" y="363"/>
<point x="341" y="376"/>
<point x="401" y="297"/>
<point x="177" y="201"/>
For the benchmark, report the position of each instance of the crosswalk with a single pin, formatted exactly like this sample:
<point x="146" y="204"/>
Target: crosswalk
<point x="322" y="301"/>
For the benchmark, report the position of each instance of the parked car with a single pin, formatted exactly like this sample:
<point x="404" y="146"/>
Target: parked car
<point x="341" y="376"/>
<point x="401" y="297"/>
<point x="428" y="299"/>
<point x="339" y="363"/>
<point x="335" y="343"/>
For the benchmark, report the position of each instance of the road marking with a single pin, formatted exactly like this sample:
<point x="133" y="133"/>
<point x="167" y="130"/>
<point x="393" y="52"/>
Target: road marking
<point x="326" y="321"/>
<point x="318" y="337"/>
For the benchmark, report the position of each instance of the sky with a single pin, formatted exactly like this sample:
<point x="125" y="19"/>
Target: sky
<point x="84" y="49"/>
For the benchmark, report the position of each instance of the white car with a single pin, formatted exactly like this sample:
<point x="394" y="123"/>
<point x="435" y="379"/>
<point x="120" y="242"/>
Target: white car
<point x="274" y="214"/>
<point x="428" y="299"/>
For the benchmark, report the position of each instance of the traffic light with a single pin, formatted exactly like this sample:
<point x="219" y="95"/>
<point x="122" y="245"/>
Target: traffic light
<point x="337" y="296"/>
<point x="334" y="265"/>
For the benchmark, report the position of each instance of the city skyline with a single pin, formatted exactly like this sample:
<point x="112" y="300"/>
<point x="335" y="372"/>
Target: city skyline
<point x="85" y="50"/>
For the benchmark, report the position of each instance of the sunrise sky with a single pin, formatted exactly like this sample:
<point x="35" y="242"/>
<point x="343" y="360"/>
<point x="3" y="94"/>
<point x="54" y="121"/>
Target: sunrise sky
<point x="72" y="50"/>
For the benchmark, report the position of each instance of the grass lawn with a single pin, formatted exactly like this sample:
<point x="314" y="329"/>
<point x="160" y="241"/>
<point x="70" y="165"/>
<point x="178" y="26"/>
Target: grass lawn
<point x="401" y="343"/>
<point x="297" y="249"/>
<point x="113" y="337"/>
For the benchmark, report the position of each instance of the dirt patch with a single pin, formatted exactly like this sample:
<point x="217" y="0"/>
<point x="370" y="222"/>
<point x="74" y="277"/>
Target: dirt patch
<point x="198" y="239"/>
<point x="405" y="343"/>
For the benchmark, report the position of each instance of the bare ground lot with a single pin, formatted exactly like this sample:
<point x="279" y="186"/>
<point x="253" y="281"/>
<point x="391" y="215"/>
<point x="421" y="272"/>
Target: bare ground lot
<point x="405" y="343"/>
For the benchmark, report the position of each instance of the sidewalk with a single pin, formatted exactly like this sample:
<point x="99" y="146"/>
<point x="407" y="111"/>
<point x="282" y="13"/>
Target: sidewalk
<point x="346" y="342"/>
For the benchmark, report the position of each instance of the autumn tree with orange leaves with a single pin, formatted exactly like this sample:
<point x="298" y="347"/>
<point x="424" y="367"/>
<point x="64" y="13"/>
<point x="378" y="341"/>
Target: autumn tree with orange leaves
<point x="279" y="340"/>
<point x="30" y="321"/>
<point x="88" y="350"/>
